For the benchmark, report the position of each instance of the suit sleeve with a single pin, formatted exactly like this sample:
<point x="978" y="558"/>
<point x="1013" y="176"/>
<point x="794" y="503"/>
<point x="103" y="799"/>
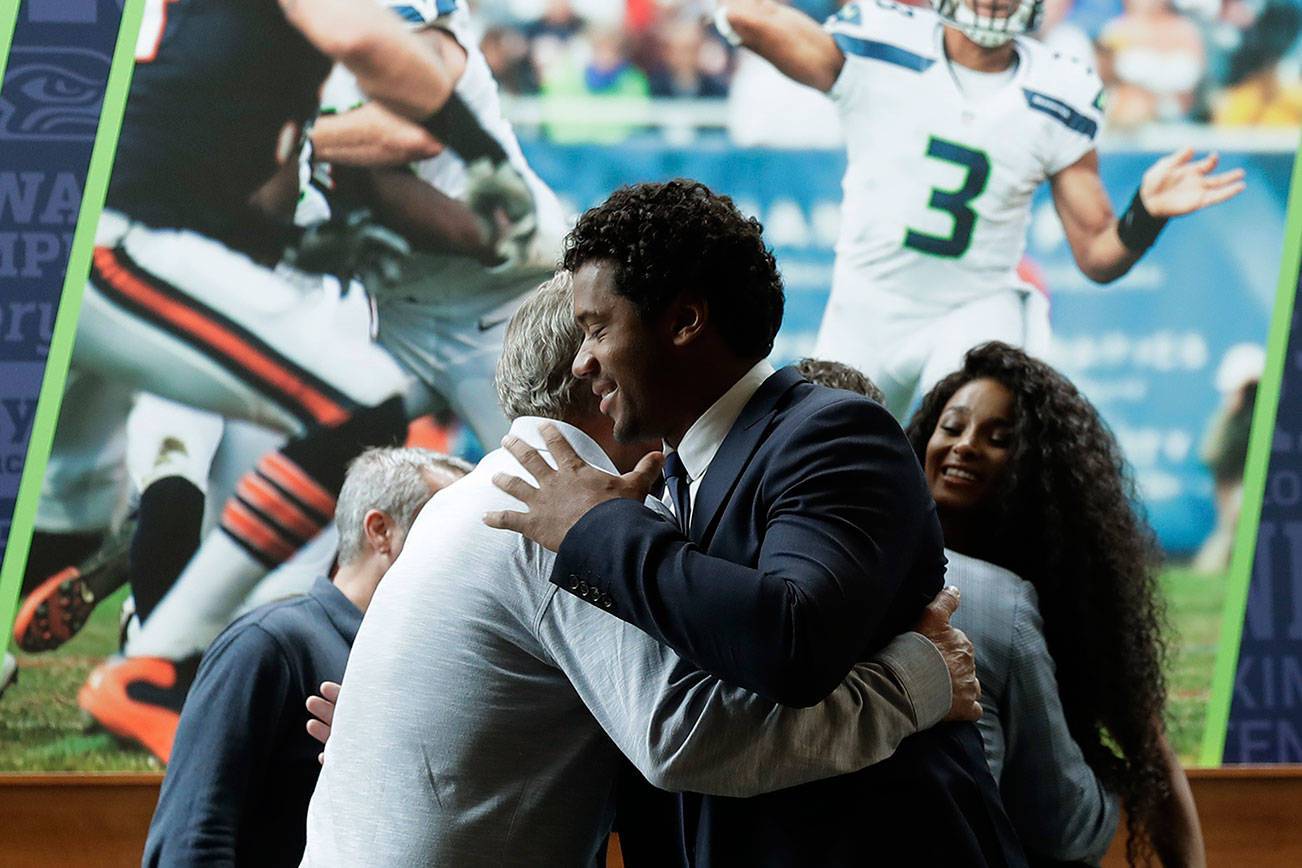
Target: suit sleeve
<point x="839" y="518"/>
<point x="686" y="730"/>
<point x="1056" y="803"/>
<point x="227" y="731"/>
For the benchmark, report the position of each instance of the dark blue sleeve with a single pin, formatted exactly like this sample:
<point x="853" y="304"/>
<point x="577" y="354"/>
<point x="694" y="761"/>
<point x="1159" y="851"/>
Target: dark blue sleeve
<point x="228" y="729"/>
<point x="843" y="513"/>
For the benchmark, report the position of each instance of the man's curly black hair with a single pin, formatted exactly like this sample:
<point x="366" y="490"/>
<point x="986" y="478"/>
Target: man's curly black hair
<point x="679" y="236"/>
<point x="1064" y="518"/>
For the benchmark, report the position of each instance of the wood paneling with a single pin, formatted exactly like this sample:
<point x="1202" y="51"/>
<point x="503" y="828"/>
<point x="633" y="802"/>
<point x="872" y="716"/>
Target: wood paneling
<point x="1250" y="817"/>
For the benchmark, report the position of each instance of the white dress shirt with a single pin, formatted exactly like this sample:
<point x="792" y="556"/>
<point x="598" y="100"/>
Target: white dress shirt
<point x="707" y="433"/>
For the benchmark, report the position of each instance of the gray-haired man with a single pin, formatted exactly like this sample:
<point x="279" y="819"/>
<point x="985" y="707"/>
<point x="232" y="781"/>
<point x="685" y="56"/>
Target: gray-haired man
<point x="483" y="715"/>
<point x="243" y="766"/>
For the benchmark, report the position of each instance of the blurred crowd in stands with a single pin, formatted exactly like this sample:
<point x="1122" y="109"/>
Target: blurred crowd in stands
<point x="1224" y="62"/>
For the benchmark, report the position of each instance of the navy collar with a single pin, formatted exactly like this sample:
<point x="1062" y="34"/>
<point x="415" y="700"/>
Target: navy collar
<point x="345" y="617"/>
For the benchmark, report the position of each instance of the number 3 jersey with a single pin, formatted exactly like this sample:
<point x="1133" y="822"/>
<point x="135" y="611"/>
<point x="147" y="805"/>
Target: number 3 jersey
<point x="938" y="185"/>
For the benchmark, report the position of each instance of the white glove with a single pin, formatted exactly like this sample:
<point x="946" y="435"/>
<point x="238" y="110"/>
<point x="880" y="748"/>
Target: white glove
<point x="501" y="201"/>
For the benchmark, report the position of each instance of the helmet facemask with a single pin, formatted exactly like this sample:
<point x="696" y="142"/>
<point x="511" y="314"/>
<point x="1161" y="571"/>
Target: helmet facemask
<point x="999" y="21"/>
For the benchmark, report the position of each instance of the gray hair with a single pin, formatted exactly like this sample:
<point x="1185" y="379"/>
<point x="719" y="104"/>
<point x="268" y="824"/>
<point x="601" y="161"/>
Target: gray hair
<point x="541" y="341"/>
<point x="836" y="375"/>
<point x="389" y="479"/>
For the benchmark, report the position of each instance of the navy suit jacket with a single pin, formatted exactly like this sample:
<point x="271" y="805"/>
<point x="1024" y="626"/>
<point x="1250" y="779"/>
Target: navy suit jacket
<point x="814" y="540"/>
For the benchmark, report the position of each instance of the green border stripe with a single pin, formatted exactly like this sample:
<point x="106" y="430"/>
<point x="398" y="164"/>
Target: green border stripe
<point x="8" y="21"/>
<point x="65" y="323"/>
<point x="1254" y="482"/>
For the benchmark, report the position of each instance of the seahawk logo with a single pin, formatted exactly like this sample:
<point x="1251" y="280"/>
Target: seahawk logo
<point x="52" y="94"/>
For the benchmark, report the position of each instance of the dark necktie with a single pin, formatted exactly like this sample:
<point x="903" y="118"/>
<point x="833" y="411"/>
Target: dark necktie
<point x="679" y="488"/>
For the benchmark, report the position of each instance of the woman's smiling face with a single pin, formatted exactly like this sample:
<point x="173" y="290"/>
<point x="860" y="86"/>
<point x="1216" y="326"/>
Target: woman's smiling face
<point x="968" y="452"/>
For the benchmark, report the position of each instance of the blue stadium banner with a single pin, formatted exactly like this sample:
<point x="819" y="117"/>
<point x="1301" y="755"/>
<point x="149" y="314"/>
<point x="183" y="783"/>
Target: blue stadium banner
<point x="1265" y="724"/>
<point x="50" y="103"/>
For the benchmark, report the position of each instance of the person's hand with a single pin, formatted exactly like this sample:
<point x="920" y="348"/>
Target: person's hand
<point x="502" y="202"/>
<point x="351" y="244"/>
<point x="322" y="709"/>
<point x="1174" y="186"/>
<point x="957" y="651"/>
<point x="371" y="135"/>
<point x="565" y="493"/>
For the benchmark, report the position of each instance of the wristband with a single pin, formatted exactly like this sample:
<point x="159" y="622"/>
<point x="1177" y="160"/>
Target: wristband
<point x="1138" y="229"/>
<point x="724" y="26"/>
<point x="457" y="127"/>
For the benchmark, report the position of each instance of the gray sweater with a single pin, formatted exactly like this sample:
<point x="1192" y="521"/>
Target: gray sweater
<point x="1057" y="805"/>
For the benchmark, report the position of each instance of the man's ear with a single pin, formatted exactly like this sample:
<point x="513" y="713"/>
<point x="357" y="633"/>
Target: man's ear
<point x="690" y="314"/>
<point x="379" y="529"/>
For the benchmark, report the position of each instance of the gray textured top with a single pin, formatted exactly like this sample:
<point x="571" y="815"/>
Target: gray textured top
<point x="1057" y="805"/>
<point x="482" y="712"/>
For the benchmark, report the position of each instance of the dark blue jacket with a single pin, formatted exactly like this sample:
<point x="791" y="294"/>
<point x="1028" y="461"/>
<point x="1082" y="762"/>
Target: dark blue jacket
<point x="814" y="540"/>
<point x="243" y="767"/>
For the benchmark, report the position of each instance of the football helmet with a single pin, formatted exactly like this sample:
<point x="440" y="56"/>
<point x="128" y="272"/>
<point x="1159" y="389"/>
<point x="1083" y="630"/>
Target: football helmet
<point x="990" y="23"/>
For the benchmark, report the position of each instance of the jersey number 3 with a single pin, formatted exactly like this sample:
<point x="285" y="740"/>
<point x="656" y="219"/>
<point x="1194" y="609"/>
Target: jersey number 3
<point x="954" y="202"/>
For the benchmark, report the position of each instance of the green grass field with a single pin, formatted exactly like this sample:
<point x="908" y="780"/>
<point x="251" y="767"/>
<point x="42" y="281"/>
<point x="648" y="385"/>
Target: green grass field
<point x="42" y="729"/>
<point x="1196" y="602"/>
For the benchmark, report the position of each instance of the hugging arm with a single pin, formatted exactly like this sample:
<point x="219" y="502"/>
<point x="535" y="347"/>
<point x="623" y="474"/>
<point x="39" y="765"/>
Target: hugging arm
<point x="843" y="506"/>
<point x="686" y="730"/>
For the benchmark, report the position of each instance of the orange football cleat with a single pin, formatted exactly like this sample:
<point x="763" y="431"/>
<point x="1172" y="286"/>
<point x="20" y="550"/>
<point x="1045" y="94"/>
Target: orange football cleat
<point x="54" y="612"/>
<point x="139" y="699"/>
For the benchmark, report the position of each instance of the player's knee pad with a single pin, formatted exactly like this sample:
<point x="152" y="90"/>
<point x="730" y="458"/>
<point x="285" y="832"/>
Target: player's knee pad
<point x="284" y="501"/>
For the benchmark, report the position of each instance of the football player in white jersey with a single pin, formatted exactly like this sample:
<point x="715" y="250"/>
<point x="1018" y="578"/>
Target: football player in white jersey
<point x="952" y="118"/>
<point x="442" y="310"/>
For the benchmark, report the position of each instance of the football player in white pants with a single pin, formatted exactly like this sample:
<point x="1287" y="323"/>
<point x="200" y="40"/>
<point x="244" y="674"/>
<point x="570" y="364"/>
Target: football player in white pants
<point x="180" y="300"/>
<point x="440" y="312"/>
<point x="952" y="119"/>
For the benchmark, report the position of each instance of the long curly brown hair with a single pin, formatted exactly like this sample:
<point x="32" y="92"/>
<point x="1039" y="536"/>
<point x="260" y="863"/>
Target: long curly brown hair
<point x="1065" y="518"/>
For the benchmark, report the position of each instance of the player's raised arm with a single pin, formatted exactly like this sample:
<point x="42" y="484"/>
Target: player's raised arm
<point x="785" y="37"/>
<point x="1104" y="246"/>
<point x="388" y="61"/>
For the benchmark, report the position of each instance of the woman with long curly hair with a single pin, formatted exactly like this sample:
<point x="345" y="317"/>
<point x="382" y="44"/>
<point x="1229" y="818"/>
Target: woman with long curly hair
<point x="1058" y="572"/>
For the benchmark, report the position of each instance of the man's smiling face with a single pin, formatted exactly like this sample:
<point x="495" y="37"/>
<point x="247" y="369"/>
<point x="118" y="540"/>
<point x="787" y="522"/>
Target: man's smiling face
<point x="619" y="354"/>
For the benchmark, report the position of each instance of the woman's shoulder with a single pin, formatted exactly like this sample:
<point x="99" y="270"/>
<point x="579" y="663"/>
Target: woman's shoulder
<point x="993" y="601"/>
<point x="985" y="578"/>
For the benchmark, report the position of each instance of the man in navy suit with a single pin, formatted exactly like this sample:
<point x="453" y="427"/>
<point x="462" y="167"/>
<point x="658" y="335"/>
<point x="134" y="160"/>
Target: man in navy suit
<point x="806" y="536"/>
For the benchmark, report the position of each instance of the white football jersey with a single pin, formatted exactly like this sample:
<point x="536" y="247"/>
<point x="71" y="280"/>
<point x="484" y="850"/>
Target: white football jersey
<point x="478" y="89"/>
<point x="937" y="190"/>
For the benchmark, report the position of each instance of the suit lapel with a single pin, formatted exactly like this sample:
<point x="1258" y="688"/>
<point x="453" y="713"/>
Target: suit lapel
<point x="743" y="439"/>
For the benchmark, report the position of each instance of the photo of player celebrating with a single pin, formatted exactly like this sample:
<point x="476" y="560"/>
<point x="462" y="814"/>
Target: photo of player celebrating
<point x="952" y="118"/>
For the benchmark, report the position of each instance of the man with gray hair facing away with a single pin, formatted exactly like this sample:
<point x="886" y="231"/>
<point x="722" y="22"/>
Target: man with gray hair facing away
<point x="483" y="714"/>
<point x="243" y="766"/>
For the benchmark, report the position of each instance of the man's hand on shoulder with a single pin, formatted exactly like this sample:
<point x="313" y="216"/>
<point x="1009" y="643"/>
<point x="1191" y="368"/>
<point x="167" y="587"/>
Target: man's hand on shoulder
<point x="564" y="493"/>
<point x="957" y="651"/>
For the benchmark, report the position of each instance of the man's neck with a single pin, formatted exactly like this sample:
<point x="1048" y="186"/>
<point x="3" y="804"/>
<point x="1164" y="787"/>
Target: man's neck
<point x="707" y="387"/>
<point x="357" y="580"/>
<point x="964" y="52"/>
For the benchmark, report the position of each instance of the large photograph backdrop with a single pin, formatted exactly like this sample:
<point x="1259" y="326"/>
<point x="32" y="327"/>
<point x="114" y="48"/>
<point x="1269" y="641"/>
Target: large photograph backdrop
<point x="608" y="93"/>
